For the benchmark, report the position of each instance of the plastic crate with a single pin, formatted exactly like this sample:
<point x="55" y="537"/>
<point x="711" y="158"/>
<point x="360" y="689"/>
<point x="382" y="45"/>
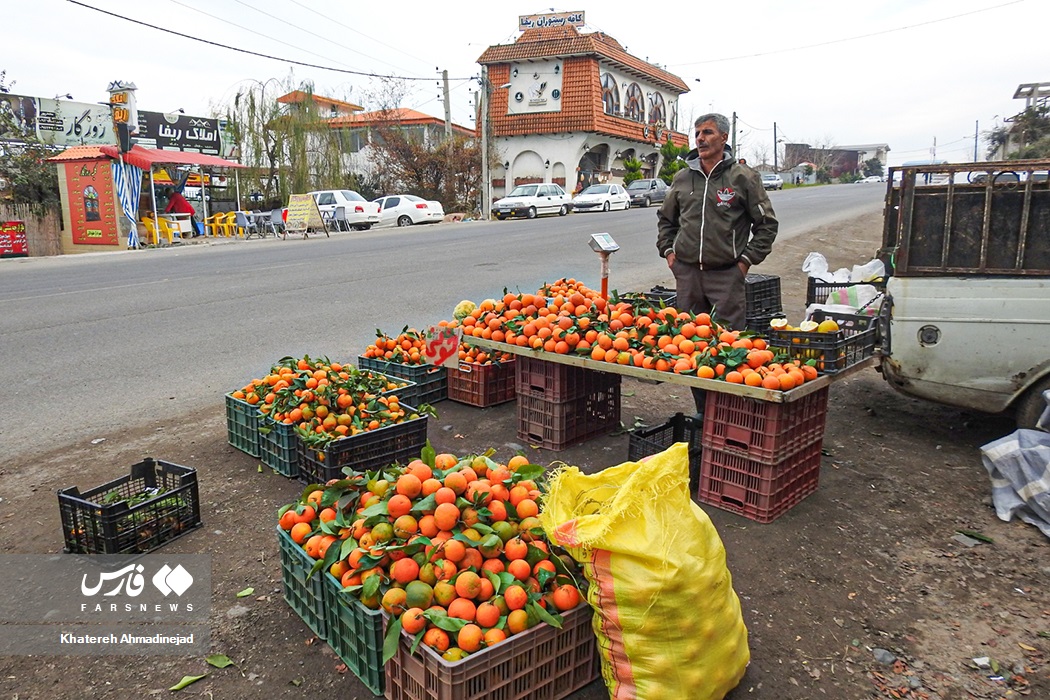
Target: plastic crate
<point x="680" y="428"/>
<point x="817" y="291"/>
<point x="242" y="425"/>
<point x="658" y="296"/>
<point x="555" y="425"/>
<point x="760" y="324"/>
<point x="431" y="383"/>
<point x="279" y="447"/>
<point x="306" y="596"/>
<point x="541" y="662"/>
<point x="355" y="634"/>
<point x="762" y="293"/>
<point x="833" y="352"/>
<point x="100" y="520"/>
<point x="482" y="385"/>
<point x="557" y="382"/>
<point x="758" y="490"/>
<point x="373" y="449"/>
<point x="764" y="430"/>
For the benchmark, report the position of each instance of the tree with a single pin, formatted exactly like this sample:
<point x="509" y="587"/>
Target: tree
<point x="632" y="170"/>
<point x="25" y="175"/>
<point x="673" y="161"/>
<point x="872" y="166"/>
<point x="1033" y="129"/>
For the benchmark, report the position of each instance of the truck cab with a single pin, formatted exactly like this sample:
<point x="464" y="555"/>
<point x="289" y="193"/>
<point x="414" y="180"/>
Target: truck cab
<point x="966" y="320"/>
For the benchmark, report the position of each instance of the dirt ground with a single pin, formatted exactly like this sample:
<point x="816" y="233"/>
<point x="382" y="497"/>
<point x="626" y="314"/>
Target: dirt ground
<point x="860" y="591"/>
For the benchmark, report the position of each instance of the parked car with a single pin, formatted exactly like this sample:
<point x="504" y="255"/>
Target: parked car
<point x="358" y="213"/>
<point x="603" y="197"/>
<point x="647" y="191"/>
<point x="772" y="181"/>
<point x="871" y="178"/>
<point x="533" y="200"/>
<point x="408" y="209"/>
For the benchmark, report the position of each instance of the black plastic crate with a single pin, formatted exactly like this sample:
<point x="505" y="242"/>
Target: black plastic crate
<point x="555" y="425"/>
<point x="431" y="382"/>
<point x="762" y="295"/>
<point x="832" y="352"/>
<point x="374" y="449"/>
<point x="760" y="324"/>
<point x="279" y="447"/>
<point x="304" y="594"/>
<point x="680" y="428"/>
<point x="657" y="296"/>
<point x="556" y="382"/>
<point x="242" y="425"/>
<point x="817" y="291"/>
<point x="157" y="502"/>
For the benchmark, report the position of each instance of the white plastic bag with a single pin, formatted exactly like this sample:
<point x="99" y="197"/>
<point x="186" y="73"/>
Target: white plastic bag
<point x="870" y="271"/>
<point x="816" y="265"/>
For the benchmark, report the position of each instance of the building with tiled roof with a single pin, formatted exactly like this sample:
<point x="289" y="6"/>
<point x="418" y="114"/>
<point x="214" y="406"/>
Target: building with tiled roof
<point x="568" y="108"/>
<point x="334" y="107"/>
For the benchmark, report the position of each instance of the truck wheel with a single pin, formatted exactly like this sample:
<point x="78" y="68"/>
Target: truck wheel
<point x="1031" y="406"/>
<point x="531" y="213"/>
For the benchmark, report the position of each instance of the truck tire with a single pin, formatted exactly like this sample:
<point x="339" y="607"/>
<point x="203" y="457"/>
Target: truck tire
<point x="1031" y="406"/>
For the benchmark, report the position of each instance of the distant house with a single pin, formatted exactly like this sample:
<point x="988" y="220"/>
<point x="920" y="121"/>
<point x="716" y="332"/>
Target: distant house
<point x="838" y="160"/>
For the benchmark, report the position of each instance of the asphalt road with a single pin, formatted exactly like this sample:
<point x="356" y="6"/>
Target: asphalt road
<point x="95" y="344"/>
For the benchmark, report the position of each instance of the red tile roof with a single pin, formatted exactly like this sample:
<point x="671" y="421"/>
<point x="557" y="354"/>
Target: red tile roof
<point x="78" y="153"/>
<point x="297" y="96"/>
<point x="401" y="115"/>
<point x="565" y="42"/>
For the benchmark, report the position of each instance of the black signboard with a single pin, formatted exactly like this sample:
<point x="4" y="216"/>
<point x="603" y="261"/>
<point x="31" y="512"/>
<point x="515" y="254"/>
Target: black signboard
<point x="178" y="132"/>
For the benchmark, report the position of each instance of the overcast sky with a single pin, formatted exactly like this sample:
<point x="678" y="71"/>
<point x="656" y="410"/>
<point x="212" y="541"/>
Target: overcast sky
<point x="902" y="72"/>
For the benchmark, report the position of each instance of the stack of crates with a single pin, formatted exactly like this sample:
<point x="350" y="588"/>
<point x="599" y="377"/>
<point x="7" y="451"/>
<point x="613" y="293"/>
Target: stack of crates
<point x="763" y="301"/>
<point x="761" y="458"/>
<point x="560" y="405"/>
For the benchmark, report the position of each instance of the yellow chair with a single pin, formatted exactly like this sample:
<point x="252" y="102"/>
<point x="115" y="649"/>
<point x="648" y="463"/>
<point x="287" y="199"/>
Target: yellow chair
<point x="218" y="224"/>
<point x="165" y="230"/>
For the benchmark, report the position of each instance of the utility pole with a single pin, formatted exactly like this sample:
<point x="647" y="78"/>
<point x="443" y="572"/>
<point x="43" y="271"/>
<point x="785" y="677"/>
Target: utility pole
<point x="976" y="125"/>
<point x="448" y="107"/>
<point x="733" y="145"/>
<point x="775" y="147"/>
<point x="486" y="180"/>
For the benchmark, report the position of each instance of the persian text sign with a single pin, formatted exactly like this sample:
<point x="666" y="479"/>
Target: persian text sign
<point x="56" y="122"/>
<point x="92" y="205"/>
<point x="109" y="604"/>
<point x="441" y="344"/>
<point x="556" y="19"/>
<point x="303" y="214"/>
<point x="13" y="239"/>
<point x="178" y="132"/>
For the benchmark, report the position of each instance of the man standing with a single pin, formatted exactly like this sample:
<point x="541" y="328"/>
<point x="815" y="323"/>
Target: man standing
<point x="715" y="223"/>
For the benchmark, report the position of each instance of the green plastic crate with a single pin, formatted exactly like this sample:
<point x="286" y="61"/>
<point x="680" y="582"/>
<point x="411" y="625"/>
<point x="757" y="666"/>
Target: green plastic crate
<point x="242" y="425"/>
<point x="431" y="383"/>
<point x="355" y="634"/>
<point x="279" y="447"/>
<point x="305" y="596"/>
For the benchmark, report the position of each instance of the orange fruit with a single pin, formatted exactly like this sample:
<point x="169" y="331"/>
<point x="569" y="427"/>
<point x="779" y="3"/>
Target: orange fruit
<point x="300" y="531"/>
<point x="463" y="608"/>
<point x="436" y="639"/>
<point x="515" y="597"/>
<point x="517" y="621"/>
<point x="468" y="584"/>
<point x="470" y="638"/>
<point x="446" y="515"/>
<point x="412" y="620"/>
<point x="487" y="615"/>
<point x="494" y="636"/>
<point x="566" y="597"/>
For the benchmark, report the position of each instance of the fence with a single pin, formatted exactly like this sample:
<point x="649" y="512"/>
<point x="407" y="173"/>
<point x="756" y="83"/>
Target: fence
<point x="43" y="226"/>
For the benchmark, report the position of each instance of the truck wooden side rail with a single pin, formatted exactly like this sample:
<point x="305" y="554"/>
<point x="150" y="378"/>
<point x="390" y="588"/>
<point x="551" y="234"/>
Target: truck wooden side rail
<point x="969" y="218"/>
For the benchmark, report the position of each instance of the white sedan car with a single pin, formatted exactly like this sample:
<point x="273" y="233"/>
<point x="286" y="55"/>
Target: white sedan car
<point x="871" y="178"/>
<point x="346" y="209"/>
<point x="603" y="198"/>
<point x="408" y="209"/>
<point x="532" y="200"/>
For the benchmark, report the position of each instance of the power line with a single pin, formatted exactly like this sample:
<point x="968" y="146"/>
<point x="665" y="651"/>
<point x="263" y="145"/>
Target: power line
<point x="250" y="53"/>
<point x="852" y="38"/>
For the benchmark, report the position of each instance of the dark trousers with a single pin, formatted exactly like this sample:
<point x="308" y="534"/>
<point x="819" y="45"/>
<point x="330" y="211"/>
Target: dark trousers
<point x="720" y="293"/>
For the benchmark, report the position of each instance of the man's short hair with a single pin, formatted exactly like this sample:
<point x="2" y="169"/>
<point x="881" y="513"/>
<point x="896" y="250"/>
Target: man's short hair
<point x="721" y="123"/>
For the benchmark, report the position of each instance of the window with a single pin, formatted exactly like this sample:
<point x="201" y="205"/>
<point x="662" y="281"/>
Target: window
<point x="352" y="196"/>
<point x="634" y="106"/>
<point x="556" y="190"/>
<point x="610" y="94"/>
<point x="391" y="202"/>
<point x="656" y="109"/>
<point x="544" y="191"/>
<point x="325" y="198"/>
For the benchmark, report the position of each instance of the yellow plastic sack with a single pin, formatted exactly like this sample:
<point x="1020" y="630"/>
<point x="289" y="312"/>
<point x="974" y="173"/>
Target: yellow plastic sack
<point x="666" y="616"/>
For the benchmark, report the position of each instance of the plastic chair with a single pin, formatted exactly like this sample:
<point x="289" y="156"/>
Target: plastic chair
<point x="215" y="225"/>
<point x="243" y="223"/>
<point x="165" y="230"/>
<point x="341" y="224"/>
<point x="277" y="221"/>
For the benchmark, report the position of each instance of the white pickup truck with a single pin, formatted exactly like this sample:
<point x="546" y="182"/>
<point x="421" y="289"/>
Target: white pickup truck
<point x="967" y="315"/>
